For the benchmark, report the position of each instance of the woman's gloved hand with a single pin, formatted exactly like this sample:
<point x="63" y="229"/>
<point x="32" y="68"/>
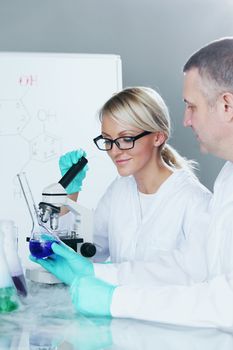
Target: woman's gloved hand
<point x="92" y="296"/>
<point x="66" y="264"/>
<point x="65" y="163"/>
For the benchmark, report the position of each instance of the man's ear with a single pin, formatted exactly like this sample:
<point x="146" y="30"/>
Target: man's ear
<point x="159" y="138"/>
<point x="227" y="106"/>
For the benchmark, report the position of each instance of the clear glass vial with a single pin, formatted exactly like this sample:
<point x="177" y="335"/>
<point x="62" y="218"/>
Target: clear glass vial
<point x="8" y="296"/>
<point x="9" y="231"/>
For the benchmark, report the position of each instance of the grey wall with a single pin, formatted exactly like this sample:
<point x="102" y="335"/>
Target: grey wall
<point x="153" y="37"/>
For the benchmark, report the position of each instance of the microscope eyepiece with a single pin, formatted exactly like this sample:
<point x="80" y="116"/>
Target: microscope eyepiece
<point x="72" y="172"/>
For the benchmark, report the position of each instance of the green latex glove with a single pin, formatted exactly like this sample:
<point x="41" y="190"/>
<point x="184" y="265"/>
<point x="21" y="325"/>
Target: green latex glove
<point x="66" y="264"/>
<point x="92" y="296"/>
<point x="65" y="163"/>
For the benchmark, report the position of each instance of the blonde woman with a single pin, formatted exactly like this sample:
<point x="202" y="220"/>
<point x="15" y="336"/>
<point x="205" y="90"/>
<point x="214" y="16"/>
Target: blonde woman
<point x="154" y="203"/>
<point x="146" y="223"/>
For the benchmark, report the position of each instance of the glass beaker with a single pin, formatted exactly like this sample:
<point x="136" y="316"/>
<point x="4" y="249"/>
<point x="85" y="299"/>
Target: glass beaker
<point x="9" y="231"/>
<point x="8" y="296"/>
<point x="41" y="237"/>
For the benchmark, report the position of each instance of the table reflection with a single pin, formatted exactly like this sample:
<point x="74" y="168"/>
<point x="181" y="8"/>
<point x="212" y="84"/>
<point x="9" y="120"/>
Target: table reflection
<point x="47" y="321"/>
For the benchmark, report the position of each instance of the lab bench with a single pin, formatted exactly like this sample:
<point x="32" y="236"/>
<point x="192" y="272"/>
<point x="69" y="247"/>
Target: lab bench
<point x="46" y="320"/>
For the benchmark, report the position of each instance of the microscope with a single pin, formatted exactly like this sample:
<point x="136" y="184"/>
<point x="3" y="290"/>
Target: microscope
<point x="54" y="197"/>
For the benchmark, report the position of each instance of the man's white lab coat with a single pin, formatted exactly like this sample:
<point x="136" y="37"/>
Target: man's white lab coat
<point x="209" y="303"/>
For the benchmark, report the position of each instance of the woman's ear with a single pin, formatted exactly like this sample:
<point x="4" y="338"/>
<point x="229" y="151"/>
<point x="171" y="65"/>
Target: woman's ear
<point x="159" y="138"/>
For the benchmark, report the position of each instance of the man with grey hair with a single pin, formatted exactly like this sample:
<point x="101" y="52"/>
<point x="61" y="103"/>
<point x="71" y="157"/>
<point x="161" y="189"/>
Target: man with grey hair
<point x="208" y="95"/>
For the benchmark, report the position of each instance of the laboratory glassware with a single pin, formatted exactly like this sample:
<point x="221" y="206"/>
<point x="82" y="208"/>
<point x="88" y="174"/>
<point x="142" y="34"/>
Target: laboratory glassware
<point x="8" y="297"/>
<point x="9" y="232"/>
<point x="41" y="237"/>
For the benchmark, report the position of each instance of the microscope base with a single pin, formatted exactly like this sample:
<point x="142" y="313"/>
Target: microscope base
<point x="39" y="275"/>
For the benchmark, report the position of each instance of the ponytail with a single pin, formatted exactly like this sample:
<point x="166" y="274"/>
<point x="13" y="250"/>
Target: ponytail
<point x="172" y="158"/>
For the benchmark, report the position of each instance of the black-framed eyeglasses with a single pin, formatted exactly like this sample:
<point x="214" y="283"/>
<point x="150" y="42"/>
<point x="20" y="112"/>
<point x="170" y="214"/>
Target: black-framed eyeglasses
<point x="123" y="143"/>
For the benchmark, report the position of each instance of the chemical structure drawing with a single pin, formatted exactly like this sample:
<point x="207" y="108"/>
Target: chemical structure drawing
<point x="16" y="111"/>
<point x="44" y="147"/>
<point x="14" y="118"/>
<point x="26" y="135"/>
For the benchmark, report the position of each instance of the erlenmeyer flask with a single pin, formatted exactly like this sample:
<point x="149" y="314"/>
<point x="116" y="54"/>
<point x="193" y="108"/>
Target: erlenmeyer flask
<point x="8" y="296"/>
<point x="8" y="230"/>
<point x="41" y="237"/>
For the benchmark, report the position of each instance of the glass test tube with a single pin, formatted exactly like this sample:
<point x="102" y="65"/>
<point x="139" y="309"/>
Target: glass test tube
<point x="9" y="231"/>
<point x="8" y="296"/>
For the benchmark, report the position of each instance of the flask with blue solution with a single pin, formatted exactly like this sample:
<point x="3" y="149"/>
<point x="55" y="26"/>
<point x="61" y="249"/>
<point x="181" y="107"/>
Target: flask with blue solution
<point x="9" y="231"/>
<point x="40" y="244"/>
<point x="8" y="296"/>
<point x="41" y="237"/>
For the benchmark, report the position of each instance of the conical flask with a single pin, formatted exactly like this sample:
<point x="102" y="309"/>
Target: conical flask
<point x="8" y="297"/>
<point x="9" y="232"/>
<point x="41" y="237"/>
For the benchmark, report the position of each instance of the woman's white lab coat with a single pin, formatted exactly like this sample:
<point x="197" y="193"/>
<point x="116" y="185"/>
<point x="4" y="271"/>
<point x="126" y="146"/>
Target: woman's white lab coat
<point x="209" y="303"/>
<point x="154" y="246"/>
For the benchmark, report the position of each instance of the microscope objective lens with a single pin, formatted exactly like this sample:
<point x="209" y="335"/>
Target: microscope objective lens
<point x="41" y="249"/>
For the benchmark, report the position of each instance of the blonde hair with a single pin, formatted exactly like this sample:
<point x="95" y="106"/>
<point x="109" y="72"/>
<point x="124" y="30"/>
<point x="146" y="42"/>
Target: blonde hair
<point x="144" y="108"/>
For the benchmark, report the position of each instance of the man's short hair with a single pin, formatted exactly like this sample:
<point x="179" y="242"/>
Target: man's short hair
<point x="215" y="66"/>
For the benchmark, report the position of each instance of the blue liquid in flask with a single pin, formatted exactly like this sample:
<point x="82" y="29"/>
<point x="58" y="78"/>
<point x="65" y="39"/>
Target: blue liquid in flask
<point x="41" y="248"/>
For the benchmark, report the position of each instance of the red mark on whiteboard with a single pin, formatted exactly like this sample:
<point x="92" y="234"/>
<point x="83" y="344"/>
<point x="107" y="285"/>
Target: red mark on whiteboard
<point x="27" y="80"/>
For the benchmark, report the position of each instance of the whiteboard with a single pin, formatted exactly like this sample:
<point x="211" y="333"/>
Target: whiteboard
<point x="48" y="106"/>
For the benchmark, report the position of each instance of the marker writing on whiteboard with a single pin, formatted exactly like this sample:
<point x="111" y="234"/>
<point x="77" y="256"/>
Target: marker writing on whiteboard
<point x="28" y="80"/>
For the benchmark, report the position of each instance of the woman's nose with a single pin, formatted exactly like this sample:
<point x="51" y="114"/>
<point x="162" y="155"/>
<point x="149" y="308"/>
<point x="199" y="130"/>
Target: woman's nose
<point x="115" y="150"/>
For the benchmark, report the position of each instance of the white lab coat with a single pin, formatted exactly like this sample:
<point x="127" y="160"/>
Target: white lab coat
<point x="137" y="335"/>
<point x="209" y="303"/>
<point x="153" y="246"/>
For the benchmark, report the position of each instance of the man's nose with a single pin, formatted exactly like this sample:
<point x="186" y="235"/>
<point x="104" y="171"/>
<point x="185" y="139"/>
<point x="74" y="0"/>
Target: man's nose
<point x="187" y="120"/>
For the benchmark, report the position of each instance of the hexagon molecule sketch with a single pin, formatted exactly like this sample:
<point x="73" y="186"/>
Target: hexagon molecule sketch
<point x="44" y="147"/>
<point x="17" y="112"/>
